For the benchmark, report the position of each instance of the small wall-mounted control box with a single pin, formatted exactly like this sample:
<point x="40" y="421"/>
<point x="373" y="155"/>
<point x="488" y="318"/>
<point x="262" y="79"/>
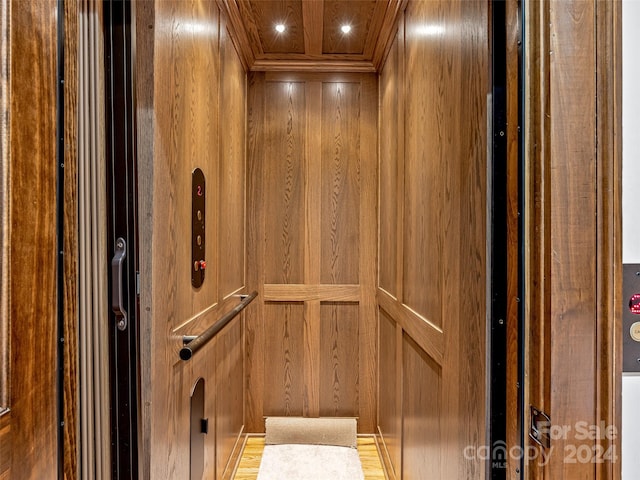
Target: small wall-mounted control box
<point x="631" y="317"/>
<point x="198" y="237"/>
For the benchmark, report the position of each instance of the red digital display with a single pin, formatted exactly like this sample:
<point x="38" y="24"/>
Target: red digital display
<point x="634" y="304"/>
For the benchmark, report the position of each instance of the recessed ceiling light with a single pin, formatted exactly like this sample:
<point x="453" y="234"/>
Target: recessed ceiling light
<point x="280" y="28"/>
<point x="345" y="28"/>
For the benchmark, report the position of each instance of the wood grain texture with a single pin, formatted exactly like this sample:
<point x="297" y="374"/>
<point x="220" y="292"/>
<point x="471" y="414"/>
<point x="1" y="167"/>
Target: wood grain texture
<point x="574" y="253"/>
<point x="389" y="409"/>
<point x="284" y="352"/>
<point x="179" y="129"/>
<point x="255" y="327"/>
<point x="428" y="336"/>
<point x="609" y="154"/>
<point x="284" y="188"/>
<point x="268" y="14"/>
<point x="390" y="140"/>
<point x="422" y="430"/>
<point x="339" y="363"/>
<point x="513" y="424"/>
<point x="145" y="117"/>
<point x="359" y="15"/>
<point x="340" y="197"/>
<point x="5" y="444"/>
<point x="440" y="196"/>
<point x="32" y="280"/>
<point x="313" y="23"/>
<point x="229" y="400"/>
<point x="70" y="288"/>
<point x="233" y="95"/>
<point x="368" y="253"/>
<point x="430" y="148"/>
<point x="313" y="39"/>
<point x="306" y="292"/>
<point x="537" y="225"/>
<point x="573" y="241"/>
<point x="334" y="197"/>
<point x="5" y="115"/>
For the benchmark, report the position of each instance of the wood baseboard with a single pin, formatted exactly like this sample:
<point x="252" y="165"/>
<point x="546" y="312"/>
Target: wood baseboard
<point x="389" y="471"/>
<point x="236" y="454"/>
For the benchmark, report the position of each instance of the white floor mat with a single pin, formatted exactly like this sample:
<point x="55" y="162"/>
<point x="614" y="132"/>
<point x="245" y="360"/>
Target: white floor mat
<point x="310" y="462"/>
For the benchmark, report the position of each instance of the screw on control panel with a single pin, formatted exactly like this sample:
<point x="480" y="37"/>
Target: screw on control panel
<point x="638" y="274"/>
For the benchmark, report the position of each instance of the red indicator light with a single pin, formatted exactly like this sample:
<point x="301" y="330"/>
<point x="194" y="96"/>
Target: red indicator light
<point x="634" y="304"/>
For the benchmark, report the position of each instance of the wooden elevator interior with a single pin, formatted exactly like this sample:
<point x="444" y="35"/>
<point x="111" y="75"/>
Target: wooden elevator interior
<point x="346" y="183"/>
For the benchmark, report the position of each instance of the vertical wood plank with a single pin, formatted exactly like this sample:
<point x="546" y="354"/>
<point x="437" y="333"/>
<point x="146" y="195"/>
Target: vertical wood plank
<point x="340" y="180"/>
<point x="513" y="424"/>
<point x="313" y="235"/>
<point x="232" y="169"/>
<point x="229" y="386"/>
<point x="422" y="414"/>
<point x="71" y="445"/>
<point x="33" y="253"/>
<point x="312" y="358"/>
<point x="429" y="149"/>
<point x="284" y="185"/>
<point x="389" y="409"/>
<point x="390" y="90"/>
<point x="442" y="188"/>
<point x="339" y="361"/>
<point x="285" y="382"/>
<point x="255" y="334"/>
<point x="573" y="227"/>
<point x="5" y="375"/>
<point x="367" y="331"/>
<point x="312" y="18"/>
<point x="609" y="261"/>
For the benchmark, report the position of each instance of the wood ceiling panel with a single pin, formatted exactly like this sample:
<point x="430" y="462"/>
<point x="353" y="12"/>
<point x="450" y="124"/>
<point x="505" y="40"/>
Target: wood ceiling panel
<point x="313" y="40"/>
<point x="358" y="14"/>
<point x="268" y="14"/>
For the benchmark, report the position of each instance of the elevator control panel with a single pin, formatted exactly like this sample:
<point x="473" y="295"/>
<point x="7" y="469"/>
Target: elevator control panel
<point x="198" y="259"/>
<point x="631" y="317"/>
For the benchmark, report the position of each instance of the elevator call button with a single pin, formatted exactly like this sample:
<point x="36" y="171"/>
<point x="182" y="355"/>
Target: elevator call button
<point x="634" y="304"/>
<point x="635" y="331"/>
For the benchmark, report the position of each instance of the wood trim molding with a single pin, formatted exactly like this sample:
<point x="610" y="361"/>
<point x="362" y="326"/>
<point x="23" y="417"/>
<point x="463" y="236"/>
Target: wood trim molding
<point x="71" y="415"/>
<point x="574" y="234"/>
<point x="245" y="37"/>
<point x="307" y="293"/>
<point x="312" y="17"/>
<point x="609" y="205"/>
<point x="312" y="66"/>
<point x="5" y="206"/>
<point x="392" y="22"/>
<point x="429" y="337"/>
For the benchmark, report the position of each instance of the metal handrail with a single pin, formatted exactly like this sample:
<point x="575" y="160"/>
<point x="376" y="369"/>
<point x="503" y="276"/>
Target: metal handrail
<point x="192" y="345"/>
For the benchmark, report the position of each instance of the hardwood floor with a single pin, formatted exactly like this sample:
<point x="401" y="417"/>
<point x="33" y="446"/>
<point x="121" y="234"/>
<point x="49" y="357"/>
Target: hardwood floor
<point x="252" y="454"/>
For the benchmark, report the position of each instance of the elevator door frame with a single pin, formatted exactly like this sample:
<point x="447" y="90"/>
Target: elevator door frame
<point x="122" y="234"/>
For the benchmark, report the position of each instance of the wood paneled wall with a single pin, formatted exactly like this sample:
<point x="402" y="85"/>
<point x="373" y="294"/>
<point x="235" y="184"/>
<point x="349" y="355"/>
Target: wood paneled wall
<point x="573" y="171"/>
<point x="432" y="237"/>
<point x="191" y="113"/>
<point x="311" y="341"/>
